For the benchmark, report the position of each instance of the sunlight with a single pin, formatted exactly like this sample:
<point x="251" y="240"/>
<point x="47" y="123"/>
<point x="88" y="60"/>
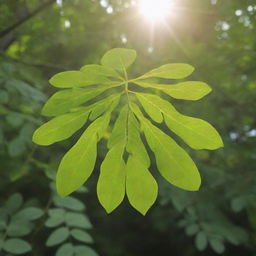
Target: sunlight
<point x="155" y="10"/>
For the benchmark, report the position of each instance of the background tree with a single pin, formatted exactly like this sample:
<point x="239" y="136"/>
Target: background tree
<point x="41" y="38"/>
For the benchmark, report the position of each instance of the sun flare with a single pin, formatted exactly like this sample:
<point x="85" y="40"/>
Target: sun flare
<point x="155" y="10"/>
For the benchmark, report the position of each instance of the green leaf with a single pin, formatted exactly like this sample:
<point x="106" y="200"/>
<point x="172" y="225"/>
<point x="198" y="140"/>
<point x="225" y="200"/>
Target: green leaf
<point x="78" y="163"/>
<point x="65" y="250"/>
<point x="172" y="161"/>
<point x="69" y="202"/>
<point x="119" y="58"/>
<point x="190" y="90"/>
<point x="151" y="109"/>
<point x="69" y="79"/>
<point x="118" y="134"/>
<point x="141" y="186"/>
<point x="58" y="236"/>
<point x="60" y="128"/>
<point x="82" y="250"/>
<point x="217" y="245"/>
<point x="201" y="241"/>
<point x="29" y="213"/>
<point x="63" y="101"/>
<point x="81" y="236"/>
<point x="16" y="246"/>
<point x="14" y="202"/>
<point x="170" y="71"/>
<point x="18" y="228"/>
<point x="99" y="70"/>
<point x="102" y="106"/>
<point x="192" y="229"/>
<point x="77" y="220"/>
<point x="134" y="143"/>
<point x="16" y="146"/>
<point x="197" y="133"/>
<point x="111" y="183"/>
<point x="56" y="217"/>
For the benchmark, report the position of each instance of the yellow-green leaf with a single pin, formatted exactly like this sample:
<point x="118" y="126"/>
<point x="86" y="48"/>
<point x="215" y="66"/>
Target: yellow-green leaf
<point x="196" y="132"/>
<point x="69" y="79"/>
<point x="78" y="163"/>
<point x="172" y="161"/>
<point x="119" y="58"/>
<point x="190" y="90"/>
<point x="99" y="70"/>
<point x="111" y="183"/>
<point x="170" y="71"/>
<point x="62" y="101"/>
<point x="59" y="128"/>
<point x="141" y="187"/>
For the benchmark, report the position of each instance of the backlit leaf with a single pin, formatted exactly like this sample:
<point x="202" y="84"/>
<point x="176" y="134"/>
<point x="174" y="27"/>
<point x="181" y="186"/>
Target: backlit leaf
<point x="60" y="128"/>
<point x="141" y="186"/>
<point x="111" y="183"/>
<point x="99" y="70"/>
<point x="62" y="101"/>
<point x="170" y="71"/>
<point x="78" y="163"/>
<point x="190" y="90"/>
<point x="172" y="161"/>
<point x="197" y="133"/>
<point x="69" y="79"/>
<point x="118" y="58"/>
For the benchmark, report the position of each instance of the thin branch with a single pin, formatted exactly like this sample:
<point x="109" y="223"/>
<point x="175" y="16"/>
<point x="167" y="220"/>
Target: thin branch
<point x="27" y="17"/>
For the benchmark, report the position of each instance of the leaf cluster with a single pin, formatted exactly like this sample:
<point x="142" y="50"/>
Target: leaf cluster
<point x="92" y="94"/>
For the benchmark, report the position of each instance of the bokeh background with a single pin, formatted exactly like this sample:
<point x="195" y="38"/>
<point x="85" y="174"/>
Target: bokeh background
<point x="40" y="38"/>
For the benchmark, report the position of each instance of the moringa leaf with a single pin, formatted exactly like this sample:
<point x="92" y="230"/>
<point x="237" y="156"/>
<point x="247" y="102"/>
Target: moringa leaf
<point x="111" y="183"/>
<point x="60" y="128"/>
<point x="118" y="58"/>
<point x="141" y="187"/>
<point x="197" y="133"/>
<point x="70" y="79"/>
<point x="170" y="71"/>
<point x="190" y="90"/>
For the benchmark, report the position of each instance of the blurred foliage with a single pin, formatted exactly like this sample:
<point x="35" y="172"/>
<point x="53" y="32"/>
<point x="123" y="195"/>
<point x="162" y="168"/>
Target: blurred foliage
<point x="218" y="38"/>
